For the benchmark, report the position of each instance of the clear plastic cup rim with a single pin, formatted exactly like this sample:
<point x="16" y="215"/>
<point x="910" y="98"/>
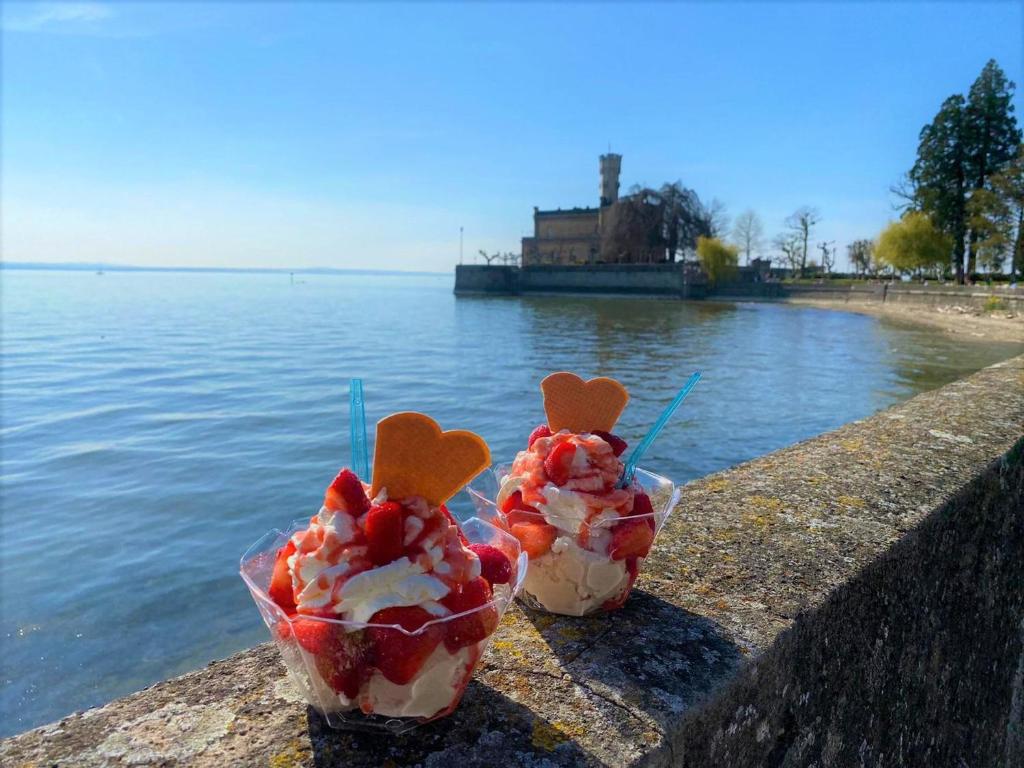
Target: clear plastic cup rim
<point x="275" y="538"/>
<point x="653" y="481"/>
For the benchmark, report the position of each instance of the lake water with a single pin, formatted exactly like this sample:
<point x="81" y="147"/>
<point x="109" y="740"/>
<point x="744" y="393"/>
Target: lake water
<point x="155" y="424"/>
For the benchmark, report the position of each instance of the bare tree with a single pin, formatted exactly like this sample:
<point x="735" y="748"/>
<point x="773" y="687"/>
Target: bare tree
<point x="504" y="258"/>
<point x="801" y="223"/>
<point x="789" y="246"/>
<point x="828" y="255"/>
<point x="904" y="192"/>
<point x="747" y="233"/>
<point x="717" y="218"/>
<point x="859" y="253"/>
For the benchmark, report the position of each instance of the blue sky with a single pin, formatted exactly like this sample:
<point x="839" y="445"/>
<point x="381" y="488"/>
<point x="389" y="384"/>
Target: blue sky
<point x="355" y="135"/>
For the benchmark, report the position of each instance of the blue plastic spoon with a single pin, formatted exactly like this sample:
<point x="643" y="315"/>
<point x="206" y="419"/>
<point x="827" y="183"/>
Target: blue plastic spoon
<point x="641" y="449"/>
<point x="357" y="430"/>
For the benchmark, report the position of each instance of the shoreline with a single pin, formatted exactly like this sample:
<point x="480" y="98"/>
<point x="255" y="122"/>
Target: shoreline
<point x="964" y="323"/>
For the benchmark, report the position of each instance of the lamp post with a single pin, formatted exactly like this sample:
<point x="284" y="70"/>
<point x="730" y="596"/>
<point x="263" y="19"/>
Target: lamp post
<point x="460" y="245"/>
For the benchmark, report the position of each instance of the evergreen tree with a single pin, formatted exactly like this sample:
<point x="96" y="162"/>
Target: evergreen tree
<point x="991" y="132"/>
<point x="992" y="224"/>
<point x="940" y="176"/>
<point x="1005" y="213"/>
<point x="968" y="143"/>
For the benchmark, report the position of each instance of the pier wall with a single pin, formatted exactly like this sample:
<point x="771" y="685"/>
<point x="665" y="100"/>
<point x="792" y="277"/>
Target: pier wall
<point x="684" y="281"/>
<point x="675" y="280"/>
<point x="852" y="600"/>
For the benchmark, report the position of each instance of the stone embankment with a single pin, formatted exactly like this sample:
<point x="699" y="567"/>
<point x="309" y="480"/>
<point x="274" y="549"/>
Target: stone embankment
<point x="676" y="280"/>
<point x="853" y="600"/>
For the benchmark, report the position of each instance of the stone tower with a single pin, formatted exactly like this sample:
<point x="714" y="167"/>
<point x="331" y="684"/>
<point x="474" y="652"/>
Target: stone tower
<point x="610" y="166"/>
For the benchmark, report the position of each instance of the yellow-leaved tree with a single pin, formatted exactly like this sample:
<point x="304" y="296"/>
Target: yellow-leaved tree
<point x="914" y="244"/>
<point x="718" y="259"/>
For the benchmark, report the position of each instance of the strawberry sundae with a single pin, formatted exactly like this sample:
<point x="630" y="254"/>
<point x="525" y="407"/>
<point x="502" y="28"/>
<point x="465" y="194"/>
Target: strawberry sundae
<point x="381" y="605"/>
<point x="563" y="498"/>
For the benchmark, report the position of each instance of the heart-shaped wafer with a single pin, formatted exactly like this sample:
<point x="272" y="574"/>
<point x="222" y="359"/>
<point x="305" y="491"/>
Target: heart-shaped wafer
<point x="413" y="457"/>
<point x="582" y="406"/>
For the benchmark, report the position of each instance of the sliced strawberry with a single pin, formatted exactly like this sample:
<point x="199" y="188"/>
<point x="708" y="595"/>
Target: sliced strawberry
<point x="642" y="506"/>
<point x="314" y="636"/>
<point x="633" y="567"/>
<point x="535" y="538"/>
<point x="470" y="629"/>
<point x="346" y="494"/>
<point x="341" y="657"/>
<point x="399" y="656"/>
<point x="618" y="445"/>
<point x="619" y="600"/>
<point x="518" y="511"/>
<point x="630" y="538"/>
<point x="453" y="521"/>
<point x="529" y="517"/>
<point x="283" y="628"/>
<point x="542" y="431"/>
<point x="514" y="501"/>
<point x="494" y="566"/>
<point x="346" y="670"/>
<point x="559" y="462"/>
<point x="280" y="590"/>
<point x="583" y="537"/>
<point x="385" y="532"/>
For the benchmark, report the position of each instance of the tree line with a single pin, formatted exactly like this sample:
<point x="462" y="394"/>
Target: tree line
<point x="962" y="202"/>
<point x="672" y="223"/>
<point x="961" y="205"/>
<point x="963" y="199"/>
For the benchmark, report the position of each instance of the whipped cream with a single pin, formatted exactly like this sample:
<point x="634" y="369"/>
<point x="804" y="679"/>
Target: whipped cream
<point x="398" y="583"/>
<point x="432" y="690"/>
<point x="435" y="688"/>
<point x="332" y="573"/>
<point x="565" y="509"/>
<point x="316" y="563"/>
<point x="574" y="581"/>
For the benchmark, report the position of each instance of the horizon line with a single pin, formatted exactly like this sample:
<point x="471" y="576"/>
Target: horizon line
<point x="88" y="266"/>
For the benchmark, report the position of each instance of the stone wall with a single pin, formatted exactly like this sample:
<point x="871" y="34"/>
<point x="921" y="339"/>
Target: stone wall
<point x="684" y="281"/>
<point x="975" y="296"/>
<point x="644" y="279"/>
<point x="650" y="279"/>
<point x="486" y="279"/>
<point x="853" y="600"/>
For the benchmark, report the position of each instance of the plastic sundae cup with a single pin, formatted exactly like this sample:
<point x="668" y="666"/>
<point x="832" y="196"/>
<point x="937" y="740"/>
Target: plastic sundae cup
<point x="335" y="664"/>
<point x="577" y="567"/>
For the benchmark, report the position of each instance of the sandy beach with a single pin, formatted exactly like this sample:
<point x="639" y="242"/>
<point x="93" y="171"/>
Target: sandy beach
<point x="966" y="323"/>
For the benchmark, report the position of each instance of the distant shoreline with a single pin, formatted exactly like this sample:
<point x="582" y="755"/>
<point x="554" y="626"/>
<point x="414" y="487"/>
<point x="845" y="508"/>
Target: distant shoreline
<point x="72" y="266"/>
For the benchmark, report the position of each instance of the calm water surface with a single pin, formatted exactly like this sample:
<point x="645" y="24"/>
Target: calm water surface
<point x="154" y="425"/>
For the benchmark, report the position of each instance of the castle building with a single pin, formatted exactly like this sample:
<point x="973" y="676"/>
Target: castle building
<point x="574" y="235"/>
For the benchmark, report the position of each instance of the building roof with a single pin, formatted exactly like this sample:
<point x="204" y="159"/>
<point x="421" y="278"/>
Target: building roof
<point x="567" y="212"/>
